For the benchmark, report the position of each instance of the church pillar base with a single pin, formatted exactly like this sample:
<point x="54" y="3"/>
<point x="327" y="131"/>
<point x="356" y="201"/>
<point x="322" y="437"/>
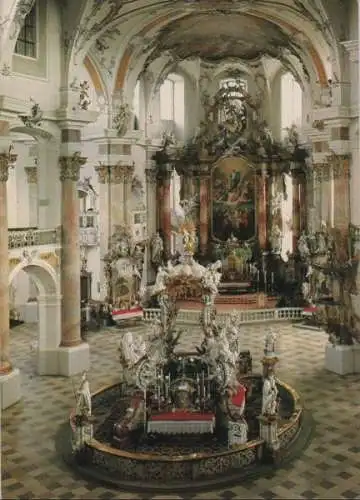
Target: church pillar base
<point x="73" y="360"/>
<point x="10" y="388"/>
<point x="340" y="359"/>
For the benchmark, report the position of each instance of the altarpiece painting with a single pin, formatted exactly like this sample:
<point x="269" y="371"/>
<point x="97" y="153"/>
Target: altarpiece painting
<point x="233" y="200"/>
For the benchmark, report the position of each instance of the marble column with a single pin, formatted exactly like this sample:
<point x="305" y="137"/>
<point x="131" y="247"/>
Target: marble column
<point x="5" y="365"/>
<point x="128" y="176"/>
<point x="70" y="256"/>
<point x="303" y="201"/>
<point x="341" y="173"/>
<point x="32" y="177"/>
<point x="204" y="208"/>
<point x="262" y="215"/>
<point x="151" y="195"/>
<point x="104" y="222"/>
<point x="166" y="210"/>
<point x="296" y="228"/>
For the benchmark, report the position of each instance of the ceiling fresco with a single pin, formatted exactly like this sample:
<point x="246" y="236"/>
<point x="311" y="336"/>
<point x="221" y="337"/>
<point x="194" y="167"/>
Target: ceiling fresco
<point x="212" y="36"/>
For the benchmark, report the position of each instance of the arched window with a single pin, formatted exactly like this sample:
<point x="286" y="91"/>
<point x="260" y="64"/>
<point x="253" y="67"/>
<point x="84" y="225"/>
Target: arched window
<point x="291" y="102"/>
<point x="26" y="44"/>
<point x="291" y="114"/>
<point x="172" y="103"/>
<point x="136" y="106"/>
<point x="167" y="99"/>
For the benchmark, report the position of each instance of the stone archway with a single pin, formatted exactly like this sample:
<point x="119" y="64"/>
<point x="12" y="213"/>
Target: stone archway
<point x="49" y="303"/>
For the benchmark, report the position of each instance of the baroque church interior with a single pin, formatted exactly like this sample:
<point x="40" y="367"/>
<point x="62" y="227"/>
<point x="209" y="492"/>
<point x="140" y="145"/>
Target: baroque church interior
<point x="180" y="237"/>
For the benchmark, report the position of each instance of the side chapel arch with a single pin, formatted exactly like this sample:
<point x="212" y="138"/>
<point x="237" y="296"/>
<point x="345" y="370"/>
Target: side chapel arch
<point x="49" y="301"/>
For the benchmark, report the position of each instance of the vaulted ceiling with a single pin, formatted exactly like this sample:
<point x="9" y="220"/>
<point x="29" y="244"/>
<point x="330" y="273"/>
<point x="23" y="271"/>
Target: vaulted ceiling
<point x="116" y="32"/>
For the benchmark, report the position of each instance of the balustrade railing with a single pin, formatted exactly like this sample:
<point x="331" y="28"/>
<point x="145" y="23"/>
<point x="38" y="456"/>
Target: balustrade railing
<point x="245" y="316"/>
<point x="31" y="237"/>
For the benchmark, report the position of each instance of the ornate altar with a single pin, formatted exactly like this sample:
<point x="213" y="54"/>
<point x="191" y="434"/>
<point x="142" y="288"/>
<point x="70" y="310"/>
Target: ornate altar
<point x="124" y="272"/>
<point x="233" y="195"/>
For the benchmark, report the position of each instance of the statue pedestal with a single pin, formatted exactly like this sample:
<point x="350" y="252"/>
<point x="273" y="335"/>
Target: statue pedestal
<point x="269" y="362"/>
<point x="269" y="433"/>
<point x="82" y="434"/>
<point x="10" y="388"/>
<point x="237" y="432"/>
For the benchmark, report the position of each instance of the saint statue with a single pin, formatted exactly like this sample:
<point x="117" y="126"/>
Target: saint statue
<point x="269" y="396"/>
<point x="270" y="343"/>
<point x="157" y="247"/>
<point x="132" y="349"/>
<point x="83" y="399"/>
<point x="303" y="246"/>
<point x="161" y="277"/>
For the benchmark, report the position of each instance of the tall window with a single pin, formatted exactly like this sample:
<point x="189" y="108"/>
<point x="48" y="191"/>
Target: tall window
<point x="167" y="100"/>
<point x="26" y="44"/>
<point x="291" y="102"/>
<point x="172" y="104"/>
<point x="136" y="105"/>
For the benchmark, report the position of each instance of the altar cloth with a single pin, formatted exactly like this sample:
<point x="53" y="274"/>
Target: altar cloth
<point x="182" y="422"/>
<point x="122" y="314"/>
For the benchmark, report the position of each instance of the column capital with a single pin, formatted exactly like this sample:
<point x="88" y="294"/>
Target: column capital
<point x="151" y="175"/>
<point x="103" y="173"/>
<point x="118" y="173"/>
<point x="129" y="172"/>
<point x="7" y="160"/>
<point x="70" y="166"/>
<point x="31" y="175"/>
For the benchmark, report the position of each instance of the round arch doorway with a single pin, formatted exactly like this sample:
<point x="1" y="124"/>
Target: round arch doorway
<point x="49" y="312"/>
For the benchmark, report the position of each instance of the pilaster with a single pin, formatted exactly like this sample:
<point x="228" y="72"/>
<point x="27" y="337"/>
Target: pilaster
<point x="32" y="178"/>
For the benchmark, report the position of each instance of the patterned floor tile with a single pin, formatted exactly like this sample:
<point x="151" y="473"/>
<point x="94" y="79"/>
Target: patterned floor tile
<point x="329" y="468"/>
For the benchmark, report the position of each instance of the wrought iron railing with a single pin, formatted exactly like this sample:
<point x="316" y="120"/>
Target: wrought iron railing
<point x="31" y="237"/>
<point x="245" y="316"/>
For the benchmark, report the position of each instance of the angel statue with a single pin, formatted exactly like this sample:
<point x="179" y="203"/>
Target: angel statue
<point x="269" y="396"/>
<point x="84" y="98"/>
<point x="212" y="276"/>
<point x="303" y="246"/>
<point x="161" y="277"/>
<point x="131" y="349"/>
<point x="157" y="248"/>
<point x="83" y="399"/>
<point x="122" y="118"/>
<point x="276" y="239"/>
<point x="35" y="116"/>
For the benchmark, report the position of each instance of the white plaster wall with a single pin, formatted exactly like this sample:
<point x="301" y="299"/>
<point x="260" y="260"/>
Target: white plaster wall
<point x="12" y="199"/>
<point x="94" y="266"/>
<point x="44" y="90"/>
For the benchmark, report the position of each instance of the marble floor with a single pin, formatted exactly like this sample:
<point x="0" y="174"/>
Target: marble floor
<point x="328" y="468"/>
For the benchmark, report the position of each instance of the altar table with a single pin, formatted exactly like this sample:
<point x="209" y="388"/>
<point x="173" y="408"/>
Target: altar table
<point x="182" y="422"/>
<point x="126" y="314"/>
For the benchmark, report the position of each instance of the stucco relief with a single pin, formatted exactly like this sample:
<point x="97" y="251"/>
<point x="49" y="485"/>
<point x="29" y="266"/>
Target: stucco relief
<point x="51" y="258"/>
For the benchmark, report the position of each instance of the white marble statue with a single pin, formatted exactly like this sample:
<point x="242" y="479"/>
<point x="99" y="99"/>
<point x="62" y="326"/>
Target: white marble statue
<point x="157" y="247"/>
<point x="276" y="238"/>
<point x="270" y="343"/>
<point x="83" y="398"/>
<point x="132" y="349"/>
<point x="161" y="277"/>
<point x="303" y="246"/>
<point x="269" y="396"/>
<point x="212" y="277"/>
